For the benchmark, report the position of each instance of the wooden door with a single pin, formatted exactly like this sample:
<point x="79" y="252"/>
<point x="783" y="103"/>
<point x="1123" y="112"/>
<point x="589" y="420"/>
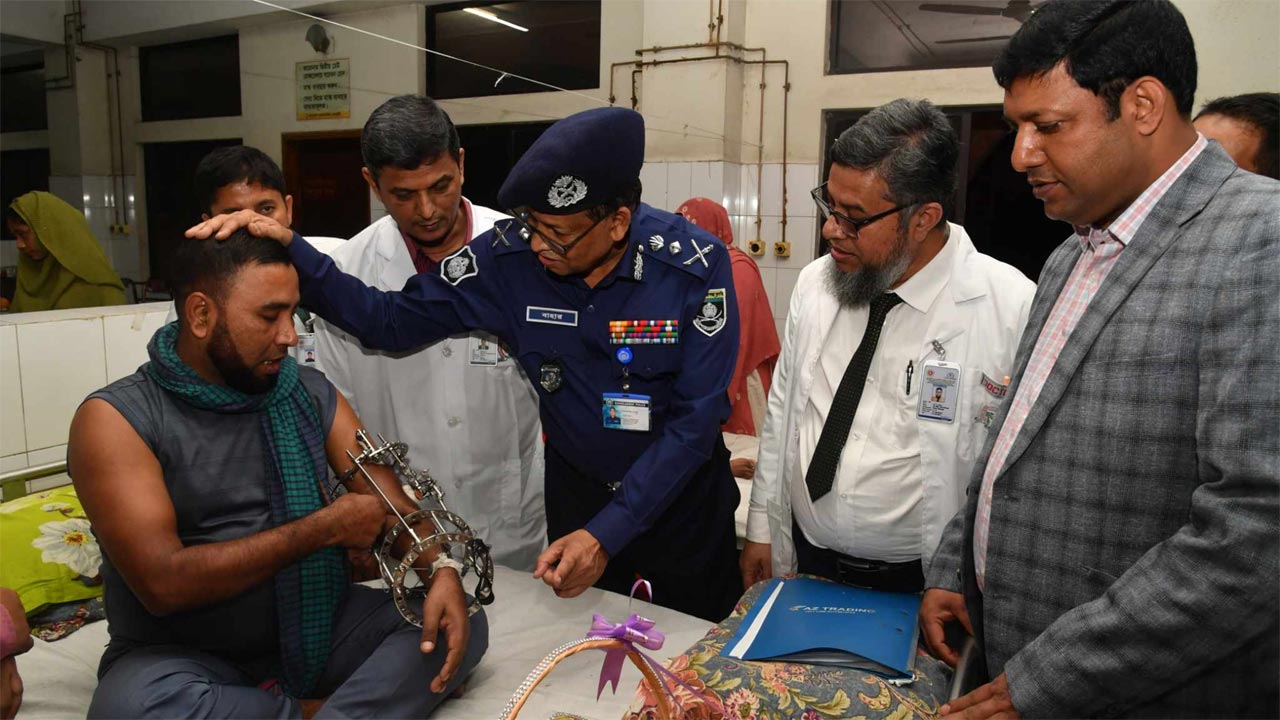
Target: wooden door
<point x="322" y="172"/>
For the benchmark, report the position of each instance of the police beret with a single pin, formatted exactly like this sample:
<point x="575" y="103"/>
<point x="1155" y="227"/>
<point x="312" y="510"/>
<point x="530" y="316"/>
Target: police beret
<point x="582" y="161"/>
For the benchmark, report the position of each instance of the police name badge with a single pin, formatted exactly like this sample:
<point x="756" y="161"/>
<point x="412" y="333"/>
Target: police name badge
<point x="483" y="352"/>
<point x="711" y="316"/>
<point x="306" y="352"/>
<point x="940" y="391"/>
<point x="625" y="411"/>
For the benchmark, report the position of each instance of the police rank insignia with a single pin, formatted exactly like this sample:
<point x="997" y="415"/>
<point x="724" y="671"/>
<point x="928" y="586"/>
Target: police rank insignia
<point x="459" y="266"/>
<point x="551" y="375"/>
<point x="566" y="191"/>
<point x="656" y="242"/>
<point x="711" y="317"/>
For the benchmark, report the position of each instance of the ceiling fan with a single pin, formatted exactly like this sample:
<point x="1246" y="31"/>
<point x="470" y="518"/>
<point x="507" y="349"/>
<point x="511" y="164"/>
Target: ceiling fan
<point x="1016" y="10"/>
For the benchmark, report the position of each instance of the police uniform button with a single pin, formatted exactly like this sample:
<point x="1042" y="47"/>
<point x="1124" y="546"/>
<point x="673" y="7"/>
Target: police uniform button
<point x="591" y="308"/>
<point x="447" y="351"/>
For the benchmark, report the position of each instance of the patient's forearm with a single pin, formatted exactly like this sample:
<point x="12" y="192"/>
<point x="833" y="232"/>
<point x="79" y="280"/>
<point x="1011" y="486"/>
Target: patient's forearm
<point x="202" y="575"/>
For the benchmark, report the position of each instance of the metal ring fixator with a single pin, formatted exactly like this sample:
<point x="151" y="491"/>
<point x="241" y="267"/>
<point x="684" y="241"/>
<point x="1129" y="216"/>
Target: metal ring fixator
<point x="452" y="535"/>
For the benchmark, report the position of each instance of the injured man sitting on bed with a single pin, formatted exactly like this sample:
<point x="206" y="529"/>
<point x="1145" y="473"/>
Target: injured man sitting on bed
<point x="203" y="474"/>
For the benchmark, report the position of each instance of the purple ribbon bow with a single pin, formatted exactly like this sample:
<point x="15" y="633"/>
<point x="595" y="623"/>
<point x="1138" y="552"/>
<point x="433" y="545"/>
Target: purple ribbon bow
<point x="635" y="631"/>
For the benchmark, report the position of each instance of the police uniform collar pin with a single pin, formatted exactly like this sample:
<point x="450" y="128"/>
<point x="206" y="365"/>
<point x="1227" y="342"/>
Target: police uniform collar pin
<point x="656" y="242"/>
<point x="674" y="247"/>
<point x="699" y="253"/>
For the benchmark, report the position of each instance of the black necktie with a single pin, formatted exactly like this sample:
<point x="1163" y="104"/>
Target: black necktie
<point x="835" y="431"/>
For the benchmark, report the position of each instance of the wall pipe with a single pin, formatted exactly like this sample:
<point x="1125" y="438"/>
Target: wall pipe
<point x="117" y="173"/>
<point x="639" y="65"/>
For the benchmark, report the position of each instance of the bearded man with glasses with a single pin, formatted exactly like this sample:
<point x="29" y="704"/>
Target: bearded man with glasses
<point x="898" y="344"/>
<point x="605" y="302"/>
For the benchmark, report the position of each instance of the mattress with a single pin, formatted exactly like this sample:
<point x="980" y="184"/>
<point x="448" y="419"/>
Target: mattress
<point x="526" y="622"/>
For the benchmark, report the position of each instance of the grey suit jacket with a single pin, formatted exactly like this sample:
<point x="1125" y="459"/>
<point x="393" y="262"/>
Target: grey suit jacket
<point x="1132" y="560"/>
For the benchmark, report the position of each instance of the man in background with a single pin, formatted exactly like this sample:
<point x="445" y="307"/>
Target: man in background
<point x="462" y="404"/>
<point x="1248" y="128"/>
<point x="862" y="461"/>
<point x="241" y="177"/>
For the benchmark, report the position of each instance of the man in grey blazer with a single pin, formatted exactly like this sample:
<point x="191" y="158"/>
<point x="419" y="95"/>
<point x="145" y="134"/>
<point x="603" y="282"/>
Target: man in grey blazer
<point x="1118" y="552"/>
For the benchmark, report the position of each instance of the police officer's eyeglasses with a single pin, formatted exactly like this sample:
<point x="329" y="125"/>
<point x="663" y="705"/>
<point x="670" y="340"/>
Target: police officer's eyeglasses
<point x="526" y="229"/>
<point x="847" y="226"/>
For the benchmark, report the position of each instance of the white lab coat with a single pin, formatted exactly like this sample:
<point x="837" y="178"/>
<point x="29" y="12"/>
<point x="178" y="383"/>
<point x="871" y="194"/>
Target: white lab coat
<point x="474" y="427"/>
<point x="978" y="317"/>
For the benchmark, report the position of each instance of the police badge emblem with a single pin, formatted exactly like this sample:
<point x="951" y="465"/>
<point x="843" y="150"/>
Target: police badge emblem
<point x="711" y="318"/>
<point x="551" y="375"/>
<point x="459" y="266"/>
<point x="566" y="191"/>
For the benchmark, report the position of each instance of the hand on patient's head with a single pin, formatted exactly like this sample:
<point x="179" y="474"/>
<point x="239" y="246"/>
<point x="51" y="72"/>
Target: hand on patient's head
<point x="220" y="227"/>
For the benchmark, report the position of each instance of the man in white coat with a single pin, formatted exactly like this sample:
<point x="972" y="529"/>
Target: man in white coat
<point x="463" y="405"/>
<point x="894" y="361"/>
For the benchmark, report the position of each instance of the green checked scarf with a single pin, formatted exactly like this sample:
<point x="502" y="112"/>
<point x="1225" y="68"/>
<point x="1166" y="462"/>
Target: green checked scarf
<point x="307" y="592"/>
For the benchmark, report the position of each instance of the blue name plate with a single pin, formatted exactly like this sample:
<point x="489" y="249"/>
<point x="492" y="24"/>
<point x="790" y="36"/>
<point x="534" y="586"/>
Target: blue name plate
<point x="551" y="316"/>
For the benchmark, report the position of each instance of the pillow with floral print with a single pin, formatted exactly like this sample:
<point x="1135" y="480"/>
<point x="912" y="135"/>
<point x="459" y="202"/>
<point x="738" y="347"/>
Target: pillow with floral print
<point x="725" y="688"/>
<point x="49" y="552"/>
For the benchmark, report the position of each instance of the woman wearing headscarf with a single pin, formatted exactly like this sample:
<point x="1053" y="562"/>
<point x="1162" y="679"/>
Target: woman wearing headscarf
<point x="758" y="345"/>
<point x="60" y="265"/>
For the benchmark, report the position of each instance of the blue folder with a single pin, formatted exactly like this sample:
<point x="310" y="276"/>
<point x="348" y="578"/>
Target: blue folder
<point x="825" y="623"/>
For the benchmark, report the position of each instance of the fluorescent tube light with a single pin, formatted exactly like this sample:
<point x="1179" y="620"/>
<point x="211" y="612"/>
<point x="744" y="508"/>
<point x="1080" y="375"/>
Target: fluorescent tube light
<point x="493" y="18"/>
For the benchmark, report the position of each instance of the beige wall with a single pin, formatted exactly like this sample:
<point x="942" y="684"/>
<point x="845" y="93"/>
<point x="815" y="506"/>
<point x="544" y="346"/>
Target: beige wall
<point x="696" y="112"/>
<point x="378" y="69"/>
<point x="1236" y="45"/>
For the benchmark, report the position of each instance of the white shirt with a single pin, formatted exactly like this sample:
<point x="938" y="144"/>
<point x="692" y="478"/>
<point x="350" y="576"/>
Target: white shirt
<point x="976" y="311"/>
<point x="473" y="425"/>
<point x="873" y="510"/>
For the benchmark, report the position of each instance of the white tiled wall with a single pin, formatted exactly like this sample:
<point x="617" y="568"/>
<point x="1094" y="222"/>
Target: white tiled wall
<point x="49" y="362"/>
<point x="13" y="433"/>
<point x="743" y="189"/>
<point x="376" y="209"/>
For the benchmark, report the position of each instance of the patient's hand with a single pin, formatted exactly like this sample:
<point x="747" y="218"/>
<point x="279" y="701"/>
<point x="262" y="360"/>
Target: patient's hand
<point x="15" y="639"/>
<point x="10" y="688"/>
<point x="445" y="610"/>
<point x="744" y="468"/>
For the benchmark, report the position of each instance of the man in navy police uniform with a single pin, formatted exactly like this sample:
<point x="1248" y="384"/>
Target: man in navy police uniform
<point x="602" y="299"/>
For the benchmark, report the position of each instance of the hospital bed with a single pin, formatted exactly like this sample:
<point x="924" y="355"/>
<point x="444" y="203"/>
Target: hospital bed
<point x="526" y="621"/>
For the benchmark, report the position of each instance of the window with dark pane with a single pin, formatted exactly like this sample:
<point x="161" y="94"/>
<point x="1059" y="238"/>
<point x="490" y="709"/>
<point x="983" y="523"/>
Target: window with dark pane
<point x="552" y="41"/>
<point x="993" y="201"/>
<point x="22" y="100"/>
<point x="193" y="79"/>
<point x="881" y="35"/>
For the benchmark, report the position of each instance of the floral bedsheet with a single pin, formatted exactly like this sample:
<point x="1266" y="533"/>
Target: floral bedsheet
<point x="747" y="690"/>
